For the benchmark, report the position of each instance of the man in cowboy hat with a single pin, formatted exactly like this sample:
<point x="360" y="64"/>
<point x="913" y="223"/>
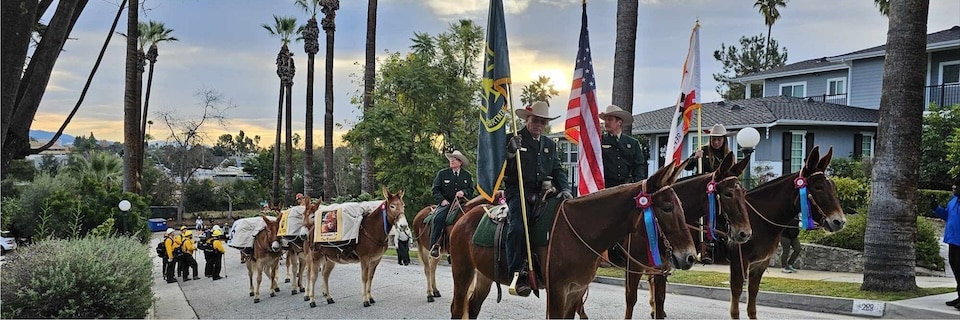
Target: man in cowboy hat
<point x="713" y="152"/>
<point x="623" y="159"/>
<point x="540" y="162"/>
<point x="450" y="183"/>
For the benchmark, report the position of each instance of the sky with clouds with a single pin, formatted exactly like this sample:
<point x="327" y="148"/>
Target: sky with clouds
<point x="223" y="47"/>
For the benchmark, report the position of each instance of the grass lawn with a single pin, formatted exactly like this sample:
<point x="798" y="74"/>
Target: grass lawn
<point x="772" y="284"/>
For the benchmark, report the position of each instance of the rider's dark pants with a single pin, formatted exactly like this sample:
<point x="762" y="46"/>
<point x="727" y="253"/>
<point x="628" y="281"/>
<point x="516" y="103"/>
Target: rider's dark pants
<point x="515" y="246"/>
<point x="439" y="224"/>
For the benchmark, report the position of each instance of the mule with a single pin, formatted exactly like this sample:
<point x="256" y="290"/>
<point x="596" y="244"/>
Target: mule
<point x="581" y="228"/>
<point x="265" y="258"/>
<point x="730" y="206"/>
<point x="368" y="250"/>
<point x="422" y="231"/>
<point x="296" y="265"/>
<point x="773" y="206"/>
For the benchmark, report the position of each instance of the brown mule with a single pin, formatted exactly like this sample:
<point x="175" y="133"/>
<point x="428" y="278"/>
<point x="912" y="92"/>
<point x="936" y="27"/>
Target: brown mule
<point x="369" y="249"/>
<point x="422" y="231"/>
<point x="731" y="207"/>
<point x="773" y="206"/>
<point x="266" y="258"/>
<point x="582" y="227"/>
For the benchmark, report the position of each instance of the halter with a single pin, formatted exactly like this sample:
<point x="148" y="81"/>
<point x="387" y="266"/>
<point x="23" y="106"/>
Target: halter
<point x="712" y="195"/>
<point x="807" y="221"/>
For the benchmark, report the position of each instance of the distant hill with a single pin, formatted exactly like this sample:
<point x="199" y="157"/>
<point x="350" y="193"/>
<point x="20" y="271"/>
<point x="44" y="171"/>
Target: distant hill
<point x="41" y="135"/>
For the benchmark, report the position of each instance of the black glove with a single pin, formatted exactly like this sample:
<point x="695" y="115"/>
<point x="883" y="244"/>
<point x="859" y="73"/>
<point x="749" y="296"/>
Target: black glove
<point x="933" y="204"/>
<point x="565" y="194"/>
<point x="514" y="144"/>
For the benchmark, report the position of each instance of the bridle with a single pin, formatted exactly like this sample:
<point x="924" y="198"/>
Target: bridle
<point x="799" y="182"/>
<point x="711" y="193"/>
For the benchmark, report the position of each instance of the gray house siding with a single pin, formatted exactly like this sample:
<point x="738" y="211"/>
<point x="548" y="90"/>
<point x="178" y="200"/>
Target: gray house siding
<point x="938" y="57"/>
<point x="866" y="81"/>
<point x="816" y="83"/>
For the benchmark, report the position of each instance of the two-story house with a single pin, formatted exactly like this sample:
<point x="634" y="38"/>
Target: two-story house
<point x="830" y="101"/>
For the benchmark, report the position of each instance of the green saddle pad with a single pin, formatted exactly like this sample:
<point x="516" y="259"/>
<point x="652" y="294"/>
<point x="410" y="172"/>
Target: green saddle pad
<point x="452" y="216"/>
<point x="539" y="229"/>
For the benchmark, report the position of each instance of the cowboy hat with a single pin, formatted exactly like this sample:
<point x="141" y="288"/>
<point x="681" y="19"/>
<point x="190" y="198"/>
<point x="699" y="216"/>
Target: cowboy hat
<point x="718" y="130"/>
<point x="615" y="111"/>
<point x="459" y="156"/>
<point x="538" y="109"/>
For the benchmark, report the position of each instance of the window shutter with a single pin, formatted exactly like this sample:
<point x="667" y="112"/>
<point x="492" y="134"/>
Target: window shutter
<point x="810" y="144"/>
<point x="857" y="146"/>
<point x="787" y="137"/>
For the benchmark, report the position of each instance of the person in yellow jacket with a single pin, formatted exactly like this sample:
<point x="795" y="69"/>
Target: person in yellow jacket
<point x="178" y="250"/>
<point x="169" y="264"/>
<point x="216" y="257"/>
<point x="187" y="258"/>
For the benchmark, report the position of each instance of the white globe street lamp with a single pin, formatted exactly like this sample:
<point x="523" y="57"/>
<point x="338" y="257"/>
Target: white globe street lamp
<point x="748" y="138"/>
<point x="124" y="205"/>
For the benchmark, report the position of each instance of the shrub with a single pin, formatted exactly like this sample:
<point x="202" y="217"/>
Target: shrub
<point x="852" y="194"/>
<point x="81" y="278"/>
<point x="928" y="245"/>
<point x="925" y="196"/>
<point x="851" y="168"/>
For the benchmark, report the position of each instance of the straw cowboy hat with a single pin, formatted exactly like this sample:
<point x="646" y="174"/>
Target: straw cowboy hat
<point x="615" y="111"/>
<point x="718" y="130"/>
<point x="538" y="109"/>
<point x="459" y="156"/>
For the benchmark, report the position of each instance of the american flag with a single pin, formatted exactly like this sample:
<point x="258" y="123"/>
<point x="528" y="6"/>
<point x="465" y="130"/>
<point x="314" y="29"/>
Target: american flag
<point x="583" y="122"/>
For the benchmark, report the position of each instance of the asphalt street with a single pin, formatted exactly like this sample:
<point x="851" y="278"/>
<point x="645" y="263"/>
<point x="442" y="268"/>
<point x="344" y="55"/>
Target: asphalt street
<point x="400" y="293"/>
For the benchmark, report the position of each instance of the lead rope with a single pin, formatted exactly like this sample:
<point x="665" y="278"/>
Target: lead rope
<point x="626" y="254"/>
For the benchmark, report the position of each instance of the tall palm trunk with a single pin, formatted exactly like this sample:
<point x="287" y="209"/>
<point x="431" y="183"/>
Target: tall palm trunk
<point x="275" y="194"/>
<point x="311" y="46"/>
<point x="890" y="239"/>
<point x="369" y="76"/>
<point x="624" y="56"/>
<point x="152" y="57"/>
<point x="131" y="103"/>
<point x="766" y="55"/>
<point x="288" y="147"/>
<point x="329" y="10"/>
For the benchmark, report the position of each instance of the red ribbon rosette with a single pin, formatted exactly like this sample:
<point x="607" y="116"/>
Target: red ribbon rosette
<point x="800" y="182"/>
<point x="712" y="187"/>
<point x="643" y="200"/>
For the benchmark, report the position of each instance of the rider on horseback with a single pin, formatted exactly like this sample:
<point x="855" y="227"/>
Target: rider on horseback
<point x="451" y="183"/>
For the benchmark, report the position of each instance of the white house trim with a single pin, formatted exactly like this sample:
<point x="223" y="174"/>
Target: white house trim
<point x="944" y="64"/>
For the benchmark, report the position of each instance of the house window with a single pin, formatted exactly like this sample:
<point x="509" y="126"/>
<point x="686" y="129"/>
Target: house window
<point x="836" y="86"/>
<point x="692" y="144"/>
<point x="797" y="143"/>
<point x="950" y="72"/>
<point x="796" y="89"/>
<point x="863" y="144"/>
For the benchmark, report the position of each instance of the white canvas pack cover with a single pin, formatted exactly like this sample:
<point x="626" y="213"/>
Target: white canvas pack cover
<point x="244" y="230"/>
<point x="341" y="221"/>
<point x="291" y="224"/>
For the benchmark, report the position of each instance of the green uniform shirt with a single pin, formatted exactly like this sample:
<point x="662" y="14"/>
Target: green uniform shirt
<point x="623" y="160"/>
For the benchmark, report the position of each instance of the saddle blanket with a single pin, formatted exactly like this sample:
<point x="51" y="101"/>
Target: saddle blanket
<point x="341" y="221"/>
<point x="291" y="222"/>
<point x="452" y="215"/>
<point x="539" y="227"/>
<point x="243" y="231"/>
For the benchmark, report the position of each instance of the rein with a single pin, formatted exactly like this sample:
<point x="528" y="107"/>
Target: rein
<point x="813" y="203"/>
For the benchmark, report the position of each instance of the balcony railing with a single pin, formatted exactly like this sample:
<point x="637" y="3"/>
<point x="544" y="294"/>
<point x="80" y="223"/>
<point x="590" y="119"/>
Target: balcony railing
<point x="830" y="98"/>
<point x="943" y="95"/>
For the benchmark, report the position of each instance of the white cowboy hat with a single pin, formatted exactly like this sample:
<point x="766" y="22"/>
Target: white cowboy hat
<point x="459" y="156"/>
<point x="615" y="111"/>
<point x="538" y="109"/>
<point x="718" y="130"/>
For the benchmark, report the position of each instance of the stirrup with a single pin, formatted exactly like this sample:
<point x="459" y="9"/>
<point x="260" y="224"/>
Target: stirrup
<point x="513" y="287"/>
<point x="437" y="248"/>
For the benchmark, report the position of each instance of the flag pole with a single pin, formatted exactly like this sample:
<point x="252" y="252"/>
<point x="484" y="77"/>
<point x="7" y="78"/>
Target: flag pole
<point x="523" y="203"/>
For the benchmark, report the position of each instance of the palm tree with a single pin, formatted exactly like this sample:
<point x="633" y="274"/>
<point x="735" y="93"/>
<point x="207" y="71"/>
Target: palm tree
<point x="329" y="10"/>
<point x="311" y="45"/>
<point x="283" y="28"/>
<point x="883" y="6"/>
<point x="369" y="76"/>
<point x="768" y="8"/>
<point x="890" y="240"/>
<point x="624" y="56"/>
<point x="153" y="33"/>
<point x="131" y="104"/>
<point x="103" y="168"/>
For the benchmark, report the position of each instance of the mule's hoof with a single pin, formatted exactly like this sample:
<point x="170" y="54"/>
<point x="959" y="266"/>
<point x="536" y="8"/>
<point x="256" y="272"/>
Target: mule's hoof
<point x="366" y="304"/>
<point x="436" y="293"/>
<point x="273" y="294"/>
<point x="286" y="280"/>
<point x="251" y="294"/>
<point x="276" y="289"/>
<point x="256" y="300"/>
<point x="303" y="290"/>
<point x="329" y="300"/>
<point x="313" y="304"/>
<point x="306" y="298"/>
<point x="429" y="298"/>
<point x="372" y="301"/>
<point x="293" y="292"/>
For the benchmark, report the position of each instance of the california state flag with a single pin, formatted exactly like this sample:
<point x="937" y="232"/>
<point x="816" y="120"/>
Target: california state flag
<point x="689" y="100"/>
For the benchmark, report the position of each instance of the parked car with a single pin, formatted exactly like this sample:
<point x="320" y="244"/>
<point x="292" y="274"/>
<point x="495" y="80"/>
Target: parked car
<point x="7" y="242"/>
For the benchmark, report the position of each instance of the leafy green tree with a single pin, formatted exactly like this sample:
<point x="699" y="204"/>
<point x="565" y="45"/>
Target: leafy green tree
<point x="100" y="167"/>
<point x="424" y="103"/>
<point x="21" y="170"/>
<point x="939" y="151"/>
<point x="159" y="187"/>
<point x="85" y="144"/>
<point x="750" y="57"/>
<point x="539" y="90"/>
<point x="49" y="164"/>
<point x="238" y="145"/>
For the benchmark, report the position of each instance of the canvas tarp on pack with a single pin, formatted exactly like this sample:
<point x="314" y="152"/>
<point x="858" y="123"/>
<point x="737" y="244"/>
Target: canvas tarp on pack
<point x="340" y="222"/>
<point x="291" y="223"/>
<point x="244" y="230"/>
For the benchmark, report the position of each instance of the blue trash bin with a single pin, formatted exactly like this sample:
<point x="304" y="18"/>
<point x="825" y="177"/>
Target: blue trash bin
<point x="157" y="224"/>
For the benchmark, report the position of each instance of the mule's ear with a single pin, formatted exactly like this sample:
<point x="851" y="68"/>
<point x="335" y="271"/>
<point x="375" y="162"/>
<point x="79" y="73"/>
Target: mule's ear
<point x="386" y="193"/>
<point x="738" y="168"/>
<point x="812" y="159"/>
<point x="400" y="194"/>
<point x="825" y="161"/>
<point x="726" y="163"/>
<point x="657" y="179"/>
<point x="674" y="174"/>
<point x="265" y="219"/>
<point x="685" y="163"/>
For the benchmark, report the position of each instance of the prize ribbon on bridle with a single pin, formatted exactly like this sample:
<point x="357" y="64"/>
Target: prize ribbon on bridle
<point x="649" y="221"/>
<point x="806" y="221"/>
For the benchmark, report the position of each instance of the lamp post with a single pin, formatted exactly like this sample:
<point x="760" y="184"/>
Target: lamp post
<point x="748" y="138"/>
<point x="124" y="206"/>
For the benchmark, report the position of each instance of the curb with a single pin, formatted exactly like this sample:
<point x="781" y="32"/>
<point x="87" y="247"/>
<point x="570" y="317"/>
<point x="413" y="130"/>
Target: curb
<point x="833" y="305"/>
